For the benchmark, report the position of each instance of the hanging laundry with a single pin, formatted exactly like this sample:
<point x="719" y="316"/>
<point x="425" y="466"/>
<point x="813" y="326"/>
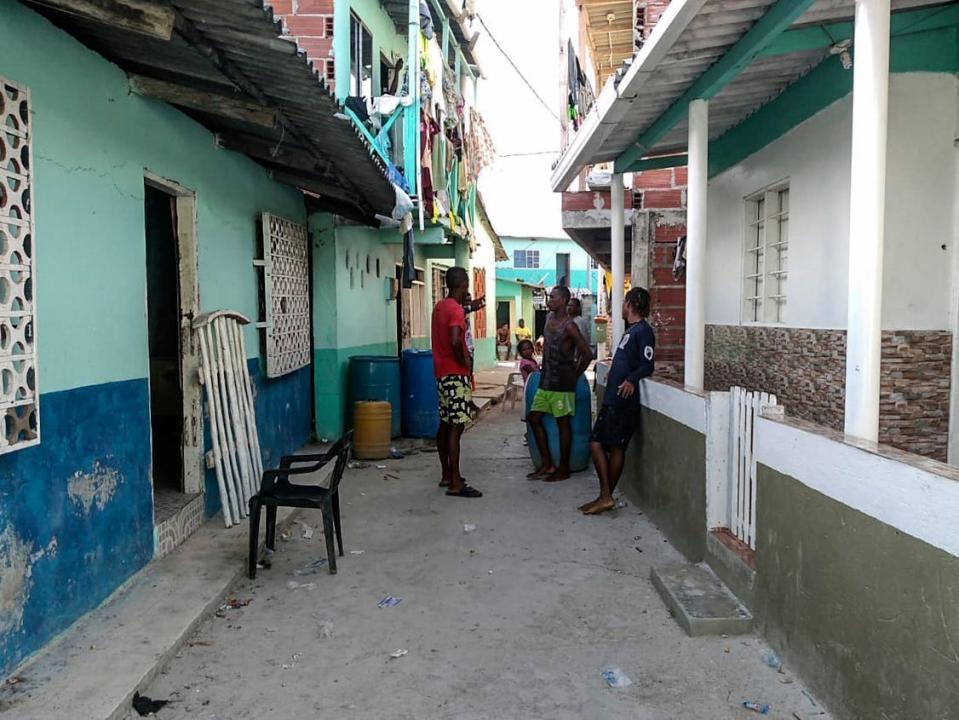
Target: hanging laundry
<point x="398" y="179"/>
<point x="440" y="177"/>
<point x="426" y="20"/>
<point x="359" y="108"/>
<point x="402" y="205"/>
<point x="679" y="262"/>
<point x="409" y="260"/>
<point x="482" y="151"/>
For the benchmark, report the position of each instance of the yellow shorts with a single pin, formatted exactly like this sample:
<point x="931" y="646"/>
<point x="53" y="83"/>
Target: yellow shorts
<point x="554" y="402"/>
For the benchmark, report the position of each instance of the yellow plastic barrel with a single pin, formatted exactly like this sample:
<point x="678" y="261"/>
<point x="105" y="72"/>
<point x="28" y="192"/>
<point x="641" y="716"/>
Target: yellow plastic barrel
<point x="372" y="421"/>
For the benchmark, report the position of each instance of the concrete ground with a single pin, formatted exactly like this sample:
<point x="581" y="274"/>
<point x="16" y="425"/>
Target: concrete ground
<point x="515" y="619"/>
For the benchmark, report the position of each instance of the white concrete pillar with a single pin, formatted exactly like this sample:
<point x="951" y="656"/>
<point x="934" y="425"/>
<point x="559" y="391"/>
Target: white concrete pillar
<point x="867" y="210"/>
<point x="696" y="243"/>
<point x="618" y="250"/>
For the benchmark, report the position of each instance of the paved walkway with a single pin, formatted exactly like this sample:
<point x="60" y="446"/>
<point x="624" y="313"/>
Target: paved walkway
<point x="515" y="619"/>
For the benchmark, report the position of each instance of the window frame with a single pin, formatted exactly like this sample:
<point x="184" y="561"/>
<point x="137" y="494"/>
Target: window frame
<point x="360" y="86"/>
<point x="765" y="255"/>
<point x="527" y="255"/>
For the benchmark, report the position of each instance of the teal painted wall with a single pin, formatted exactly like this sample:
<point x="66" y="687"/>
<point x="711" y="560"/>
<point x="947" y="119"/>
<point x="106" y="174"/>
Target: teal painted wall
<point x="522" y="297"/>
<point x="351" y="313"/>
<point x="581" y="277"/>
<point x="385" y="39"/>
<point x="92" y="140"/>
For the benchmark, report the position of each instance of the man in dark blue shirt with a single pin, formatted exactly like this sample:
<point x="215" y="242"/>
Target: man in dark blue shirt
<point x="633" y="361"/>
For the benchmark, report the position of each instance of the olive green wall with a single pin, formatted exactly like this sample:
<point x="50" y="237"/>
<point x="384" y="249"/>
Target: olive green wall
<point x="665" y="474"/>
<point x="868" y="615"/>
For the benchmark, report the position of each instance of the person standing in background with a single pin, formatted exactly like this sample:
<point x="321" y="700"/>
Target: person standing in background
<point x="451" y="365"/>
<point x="575" y="310"/>
<point x="565" y="357"/>
<point x="634" y="360"/>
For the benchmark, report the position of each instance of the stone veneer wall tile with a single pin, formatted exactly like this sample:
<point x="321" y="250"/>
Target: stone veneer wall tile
<point x="806" y="369"/>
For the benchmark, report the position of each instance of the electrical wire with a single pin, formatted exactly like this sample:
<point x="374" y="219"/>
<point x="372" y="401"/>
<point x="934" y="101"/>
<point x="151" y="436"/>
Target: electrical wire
<point x="519" y="72"/>
<point x="528" y="154"/>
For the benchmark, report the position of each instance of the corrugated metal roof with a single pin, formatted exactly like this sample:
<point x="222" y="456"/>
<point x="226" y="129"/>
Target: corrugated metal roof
<point x="691" y="37"/>
<point x="233" y="49"/>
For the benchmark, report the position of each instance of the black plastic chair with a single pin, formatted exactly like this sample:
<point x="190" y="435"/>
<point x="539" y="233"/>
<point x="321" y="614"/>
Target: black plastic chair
<point x="276" y="490"/>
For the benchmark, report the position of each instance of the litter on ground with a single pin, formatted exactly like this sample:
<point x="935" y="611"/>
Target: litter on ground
<point x="616" y="678"/>
<point x="389" y="601"/>
<point x="294" y="585"/>
<point x="398" y="654"/>
<point x="312" y="569"/>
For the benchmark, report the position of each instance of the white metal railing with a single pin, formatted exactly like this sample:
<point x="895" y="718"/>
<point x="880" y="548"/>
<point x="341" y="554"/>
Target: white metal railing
<point x="745" y="407"/>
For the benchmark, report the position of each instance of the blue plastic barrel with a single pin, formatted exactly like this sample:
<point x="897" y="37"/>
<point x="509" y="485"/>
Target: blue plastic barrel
<point x="582" y="427"/>
<point x="421" y="414"/>
<point x="376" y="377"/>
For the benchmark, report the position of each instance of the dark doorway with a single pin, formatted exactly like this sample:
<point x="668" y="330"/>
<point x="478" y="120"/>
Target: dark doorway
<point x="540" y="323"/>
<point x="402" y="329"/>
<point x="163" y="322"/>
<point x="562" y="269"/>
<point x="502" y="313"/>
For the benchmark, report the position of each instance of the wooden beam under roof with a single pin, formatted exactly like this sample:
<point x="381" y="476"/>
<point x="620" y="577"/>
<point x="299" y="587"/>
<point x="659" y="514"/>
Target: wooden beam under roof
<point x="137" y="16"/>
<point x="184" y="96"/>
<point x="311" y="182"/>
<point x="278" y="153"/>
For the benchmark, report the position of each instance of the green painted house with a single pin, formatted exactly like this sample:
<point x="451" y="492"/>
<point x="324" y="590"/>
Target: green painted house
<point x="150" y="168"/>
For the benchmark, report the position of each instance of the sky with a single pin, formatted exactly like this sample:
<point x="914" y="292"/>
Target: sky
<point x="516" y="189"/>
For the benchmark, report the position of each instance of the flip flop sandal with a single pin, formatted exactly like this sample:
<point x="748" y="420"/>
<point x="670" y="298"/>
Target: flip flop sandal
<point x="445" y="483"/>
<point x="465" y="492"/>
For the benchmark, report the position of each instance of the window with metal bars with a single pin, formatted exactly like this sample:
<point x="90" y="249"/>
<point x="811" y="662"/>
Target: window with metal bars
<point x="766" y="254"/>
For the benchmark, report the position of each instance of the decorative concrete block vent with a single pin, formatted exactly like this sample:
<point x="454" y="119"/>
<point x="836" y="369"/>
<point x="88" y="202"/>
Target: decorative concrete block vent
<point x="18" y="355"/>
<point x="700" y="602"/>
<point x="286" y="295"/>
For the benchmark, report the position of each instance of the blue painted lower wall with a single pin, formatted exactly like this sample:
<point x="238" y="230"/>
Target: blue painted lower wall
<point x="76" y="512"/>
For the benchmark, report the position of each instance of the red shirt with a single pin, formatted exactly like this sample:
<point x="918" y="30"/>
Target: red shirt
<point x="446" y="315"/>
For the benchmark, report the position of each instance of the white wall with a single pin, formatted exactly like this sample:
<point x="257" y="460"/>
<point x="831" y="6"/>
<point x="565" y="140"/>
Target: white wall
<point x="921" y="196"/>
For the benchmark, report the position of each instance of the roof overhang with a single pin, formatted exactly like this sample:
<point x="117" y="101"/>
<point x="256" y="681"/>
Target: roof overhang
<point x="226" y="65"/>
<point x="740" y="55"/>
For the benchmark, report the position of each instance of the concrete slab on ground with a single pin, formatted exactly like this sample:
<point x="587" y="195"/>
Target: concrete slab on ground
<point x="699" y="601"/>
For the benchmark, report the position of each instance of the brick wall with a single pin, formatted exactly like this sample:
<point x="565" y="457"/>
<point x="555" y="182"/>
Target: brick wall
<point x="660" y="189"/>
<point x="667" y="295"/>
<point x="663" y="194"/>
<point x="311" y="23"/>
<point x="806" y="369"/>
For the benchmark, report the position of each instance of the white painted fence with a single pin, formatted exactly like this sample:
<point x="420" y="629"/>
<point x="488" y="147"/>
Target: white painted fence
<point x="744" y="410"/>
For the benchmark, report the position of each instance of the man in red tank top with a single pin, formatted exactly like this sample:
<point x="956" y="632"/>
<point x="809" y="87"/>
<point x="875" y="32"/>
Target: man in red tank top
<point x="451" y="363"/>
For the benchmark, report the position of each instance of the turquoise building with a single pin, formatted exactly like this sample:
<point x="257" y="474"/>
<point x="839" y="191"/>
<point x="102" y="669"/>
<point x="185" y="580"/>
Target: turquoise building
<point x="142" y="160"/>
<point x="533" y="266"/>
<point x="545" y="261"/>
